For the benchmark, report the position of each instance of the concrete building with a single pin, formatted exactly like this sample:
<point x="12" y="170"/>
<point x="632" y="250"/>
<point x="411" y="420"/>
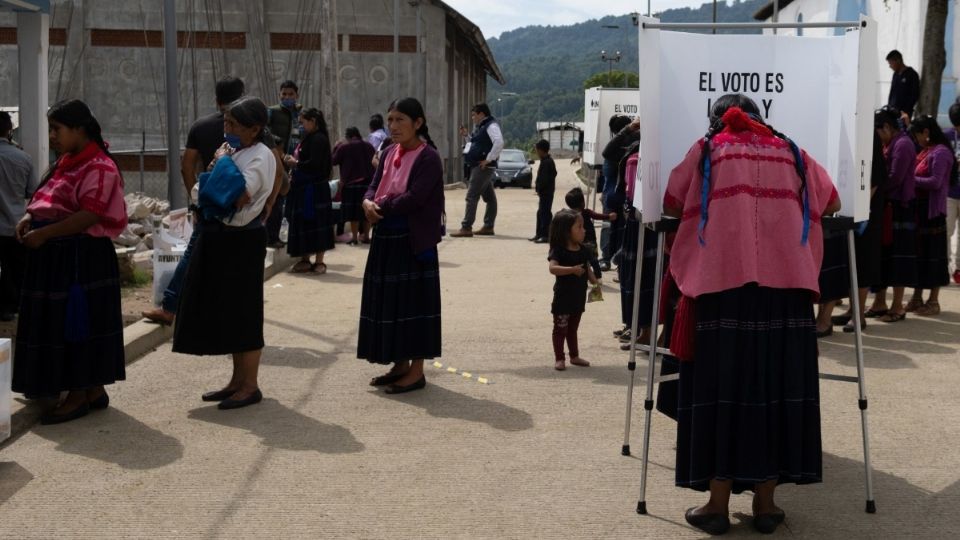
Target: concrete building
<point x="900" y="25"/>
<point x="109" y="53"/>
<point x="565" y="138"/>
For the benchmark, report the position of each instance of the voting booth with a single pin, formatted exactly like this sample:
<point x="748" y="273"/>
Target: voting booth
<point x="599" y="104"/>
<point x="818" y="91"/>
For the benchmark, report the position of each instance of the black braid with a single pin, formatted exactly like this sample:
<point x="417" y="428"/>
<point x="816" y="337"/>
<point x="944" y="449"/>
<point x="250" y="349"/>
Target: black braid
<point x="800" y="167"/>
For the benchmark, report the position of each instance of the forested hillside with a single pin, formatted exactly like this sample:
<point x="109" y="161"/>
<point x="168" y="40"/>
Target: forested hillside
<point x="546" y="66"/>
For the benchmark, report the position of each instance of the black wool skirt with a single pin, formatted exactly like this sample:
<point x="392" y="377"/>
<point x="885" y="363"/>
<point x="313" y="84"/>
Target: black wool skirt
<point x="351" y="202"/>
<point x="749" y="401"/>
<point x="309" y="213"/>
<point x="400" y="306"/>
<point x="627" y="271"/>
<point x="933" y="267"/>
<point x="70" y="330"/>
<point x="898" y="257"/>
<point x="221" y="303"/>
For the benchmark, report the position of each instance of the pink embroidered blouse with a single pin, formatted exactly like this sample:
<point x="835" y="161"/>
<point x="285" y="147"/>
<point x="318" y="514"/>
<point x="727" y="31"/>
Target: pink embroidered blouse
<point x="396" y="172"/>
<point x="88" y="180"/>
<point x="754" y="230"/>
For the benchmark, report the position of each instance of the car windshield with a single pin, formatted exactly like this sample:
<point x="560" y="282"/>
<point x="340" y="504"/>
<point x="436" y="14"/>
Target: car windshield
<point x="513" y="156"/>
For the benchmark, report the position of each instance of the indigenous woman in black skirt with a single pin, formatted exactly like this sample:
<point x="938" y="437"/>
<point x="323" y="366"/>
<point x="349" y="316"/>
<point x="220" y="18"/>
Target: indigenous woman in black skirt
<point x="309" y="207"/>
<point x="835" y="270"/>
<point x="899" y="231"/>
<point x="935" y="167"/>
<point x="221" y="306"/>
<point x="355" y="159"/>
<point x="748" y="414"/>
<point x="70" y="330"/>
<point x="400" y="308"/>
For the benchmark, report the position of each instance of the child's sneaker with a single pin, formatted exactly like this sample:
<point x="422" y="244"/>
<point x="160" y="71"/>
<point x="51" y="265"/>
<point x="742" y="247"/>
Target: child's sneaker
<point x="579" y="362"/>
<point x="618" y="333"/>
<point x="559" y="365"/>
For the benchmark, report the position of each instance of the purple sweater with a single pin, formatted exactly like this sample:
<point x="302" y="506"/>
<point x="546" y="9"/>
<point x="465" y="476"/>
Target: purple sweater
<point x="901" y="161"/>
<point x="937" y="181"/>
<point x="354" y="158"/>
<point x="954" y="138"/>
<point x="422" y="203"/>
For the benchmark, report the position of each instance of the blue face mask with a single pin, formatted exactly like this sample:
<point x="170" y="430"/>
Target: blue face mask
<point x="288" y="103"/>
<point x="232" y="140"/>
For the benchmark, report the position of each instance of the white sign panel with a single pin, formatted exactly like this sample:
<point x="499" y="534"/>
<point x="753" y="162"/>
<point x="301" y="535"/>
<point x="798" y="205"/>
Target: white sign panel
<point x="815" y="90"/>
<point x="598" y="106"/>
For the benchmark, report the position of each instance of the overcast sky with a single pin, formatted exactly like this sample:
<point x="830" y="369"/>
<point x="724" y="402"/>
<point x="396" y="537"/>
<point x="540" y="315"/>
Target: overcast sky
<point x="497" y="16"/>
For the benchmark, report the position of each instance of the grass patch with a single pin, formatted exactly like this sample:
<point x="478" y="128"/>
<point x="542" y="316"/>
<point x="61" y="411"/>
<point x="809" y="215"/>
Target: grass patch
<point x="137" y="278"/>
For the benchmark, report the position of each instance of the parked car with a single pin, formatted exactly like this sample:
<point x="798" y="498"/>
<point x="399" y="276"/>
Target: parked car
<point x="513" y="169"/>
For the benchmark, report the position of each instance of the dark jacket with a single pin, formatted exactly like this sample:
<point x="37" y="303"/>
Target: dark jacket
<point x="480" y="143"/>
<point x="617" y="147"/>
<point x="620" y="194"/>
<point x="546" y="176"/>
<point x="355" y="159"/>
<point x="315" y="156"/>
<point x="422" y="203"/>
<point x="281" y="126"/>
<point x="905" y="90"/>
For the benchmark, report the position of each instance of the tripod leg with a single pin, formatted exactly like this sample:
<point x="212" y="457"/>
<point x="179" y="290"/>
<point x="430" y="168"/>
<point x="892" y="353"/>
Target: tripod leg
<point x="651" y="370"/>
<point x="632" y="364"/>
<point x="855" y="305"/>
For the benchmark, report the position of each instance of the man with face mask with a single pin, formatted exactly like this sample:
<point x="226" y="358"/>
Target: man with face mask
<point x="284" y="124"/>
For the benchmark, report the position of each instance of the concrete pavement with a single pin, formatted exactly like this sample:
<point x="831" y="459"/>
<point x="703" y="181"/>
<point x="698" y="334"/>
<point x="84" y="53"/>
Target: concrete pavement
<point x="534" y="454"/>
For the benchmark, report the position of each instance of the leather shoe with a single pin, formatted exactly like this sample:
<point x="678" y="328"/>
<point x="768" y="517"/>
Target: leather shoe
<point x="218" y="395"/>
<point x="419" y="385"/>
<point x="485" y="231"/>
<point x="101" y="402"/>
<point x="253" y="398"/>
<point x="713" y="524"/>
<point x="768" y="523"/>
<point x="384" y="380"/>
<point x="534" y="239"/>
<point x="462" y="233"/>
<point x="50" y="418"/>
<point x="541" y="240"/>
<point x="825" y="333"/>
<point x="159" y="316"/>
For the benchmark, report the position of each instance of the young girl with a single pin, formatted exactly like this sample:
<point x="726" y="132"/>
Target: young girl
<point x="70" y="331"/>
<point x="570" y="262"/>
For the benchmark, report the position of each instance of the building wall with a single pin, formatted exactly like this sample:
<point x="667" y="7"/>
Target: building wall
<point x="109" y="53"/>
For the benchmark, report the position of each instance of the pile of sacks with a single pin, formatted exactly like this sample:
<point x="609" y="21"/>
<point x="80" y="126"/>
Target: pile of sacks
<point x="142" y="213"/>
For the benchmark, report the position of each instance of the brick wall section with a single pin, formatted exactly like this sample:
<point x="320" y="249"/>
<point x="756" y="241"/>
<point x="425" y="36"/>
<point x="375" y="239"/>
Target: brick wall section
<point x="375" y="43"/>
<point x="58" y="36"/>
<point x="154" y="39"/>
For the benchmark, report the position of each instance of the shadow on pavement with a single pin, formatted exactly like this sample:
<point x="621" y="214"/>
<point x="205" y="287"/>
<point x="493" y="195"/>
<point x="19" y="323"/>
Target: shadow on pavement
<point x="442" y="403"/>
<point x="13" y="478"/>
<point x="113" y="436"/>
<point x="332" y="276"/>
<point x="279" y="426"/>
<point x="845" y="354"/>
<point x="297" y="357"/>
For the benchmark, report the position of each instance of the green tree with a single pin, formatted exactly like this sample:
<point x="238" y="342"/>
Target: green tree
<point x="613" y="79"/>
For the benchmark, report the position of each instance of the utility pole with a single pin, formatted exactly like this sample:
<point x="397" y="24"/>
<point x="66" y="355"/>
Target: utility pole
<point x="176" y="193"/>
<point x="330" y="68"/>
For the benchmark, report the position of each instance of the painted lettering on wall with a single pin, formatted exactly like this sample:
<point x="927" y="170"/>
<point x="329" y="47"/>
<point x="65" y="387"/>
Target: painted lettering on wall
<point x="762" y="87"/>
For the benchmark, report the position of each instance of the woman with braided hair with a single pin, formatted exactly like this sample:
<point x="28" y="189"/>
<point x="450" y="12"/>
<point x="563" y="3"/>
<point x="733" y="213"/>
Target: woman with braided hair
<point x="746" y="259"/>
<point x="70" y="331"/>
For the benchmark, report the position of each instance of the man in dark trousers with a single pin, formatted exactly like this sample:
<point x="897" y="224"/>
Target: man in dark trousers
<point x="203" y="140"/>
<point x="905" y="86"/>
<point x="625" y="132"/>
<point x="17" y="184"/>
<point x="284" y="125"/>
<point x="483" y="150"/>
<point x="545" y="185"/>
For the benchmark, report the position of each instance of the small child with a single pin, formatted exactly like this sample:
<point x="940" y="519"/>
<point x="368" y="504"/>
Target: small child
<point x="576" y="202"/>
<point x="569" y="260"/>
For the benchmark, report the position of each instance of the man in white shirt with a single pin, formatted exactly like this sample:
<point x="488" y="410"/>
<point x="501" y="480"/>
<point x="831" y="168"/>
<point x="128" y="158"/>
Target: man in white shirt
<point x="481" y="154"/>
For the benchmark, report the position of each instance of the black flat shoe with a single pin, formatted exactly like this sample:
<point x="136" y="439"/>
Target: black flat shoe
<point x="419" y="385"/>
<point x="768" y="523"/>
<point x="541" y="240"/>
<point x="840" y="320"/>
<point x="849" y="328"/>
<point x="252" y="399"/>
<point x="49" y="419"/>
<point x="384" y="380"/>
<point x="825" y="333"/>
<point x="218" y="395"/>
<point x="713" y="524"/>
<point x="101" y="402"/>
